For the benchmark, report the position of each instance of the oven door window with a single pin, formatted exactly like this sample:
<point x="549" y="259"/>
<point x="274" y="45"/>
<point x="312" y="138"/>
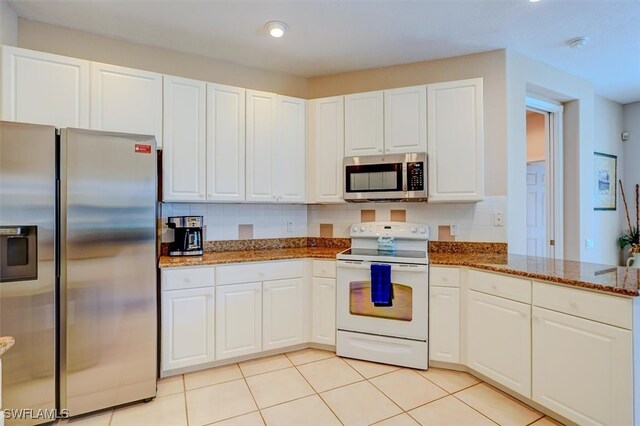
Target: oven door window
<point x="374" y="178"/>
<point x="360" y="302"/>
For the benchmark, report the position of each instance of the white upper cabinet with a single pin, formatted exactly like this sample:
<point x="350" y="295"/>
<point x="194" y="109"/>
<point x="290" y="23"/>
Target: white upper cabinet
<point x="290" y="165"/>
<point x="326" y="150"/>
<point x="455" y="141"/>
<point x="405" y="120"/>
<point x="363" y="124"/>
<point x="43" y="88"/>
<point x="225" y="143"/>
<point x="184" y="158"/>
<point x="126" y="100"/>
<point x="276" y="148"/>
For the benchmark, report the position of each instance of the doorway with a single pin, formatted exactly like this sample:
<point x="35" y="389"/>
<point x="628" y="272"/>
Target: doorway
<point x="544" y="179"/>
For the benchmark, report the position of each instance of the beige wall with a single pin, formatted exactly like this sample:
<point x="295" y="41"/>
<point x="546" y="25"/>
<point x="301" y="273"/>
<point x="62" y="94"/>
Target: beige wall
<point x="63" y="41"/>
<point x="8" y="25"/>
<point x="535" y="137"/>
<point x="491" y="66"/>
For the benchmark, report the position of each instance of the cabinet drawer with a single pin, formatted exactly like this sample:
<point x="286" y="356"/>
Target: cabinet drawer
<point x="181" y="278"/>
<point x="500" y="285"/>
<point x="599" y="307"/>
<point x="324" y="268"/>
<point x="255" y="272"/>
<point x="444" y="277"/>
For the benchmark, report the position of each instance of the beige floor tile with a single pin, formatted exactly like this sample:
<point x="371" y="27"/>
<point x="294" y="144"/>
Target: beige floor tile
<point x="547" y="421"/>
<point x="306" y="356"/>
<point x="309" y="411"/>
<point x="450" y="380"/>
<point x="264" y="365"/>
<point x="170" y="386"/>
<point x="407" y="388"/>
<point x="370" y="369"/>
<point x="168" y="410"/>
<point x="402" y="420"/>
<point x="359" y="404"/>
<point x="498" y="406"/>
<point x="212" y="376"/>
<point x="99" y="419"/>
<point x="251" y="419"/>
<point x="278" y="386"/>
<point x="329" y="374"/>
<point x="218" y="402"/>
<point x="449" y="411"/>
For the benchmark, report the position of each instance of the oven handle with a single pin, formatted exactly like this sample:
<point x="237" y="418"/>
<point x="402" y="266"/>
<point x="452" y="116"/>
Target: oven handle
<point x="400" y="267"/>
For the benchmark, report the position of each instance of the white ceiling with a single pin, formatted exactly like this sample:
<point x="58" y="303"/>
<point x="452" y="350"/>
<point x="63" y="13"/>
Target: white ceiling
<point x="331" y="36"/>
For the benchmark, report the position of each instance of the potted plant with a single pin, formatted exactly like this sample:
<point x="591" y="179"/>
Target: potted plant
<point x="631" y="236"/>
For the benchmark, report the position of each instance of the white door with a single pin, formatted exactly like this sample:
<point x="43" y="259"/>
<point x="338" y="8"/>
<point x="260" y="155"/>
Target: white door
<point x="187" y="328"/>
<point x="444" y="324"/>
<point x="225" y="143"/>
<point x="498" y="337"/>
<point x="42" y="88"/>
<point x="323" y="328"/>
<point x="455" y="141"/>
<point x="283" y="314"/>
<point x="582" y="369"/>
<point x="405" y="120"/>
<point x="238" y="320"/>
<point x="126" y="100"/>
<point x="261" y="143"/>
<point x="184" y="151"/>
<point x="291" y="151"/>
<point x="536" y="224"/>
<point x="363" y="124"/>
<point x="326" y="145"/>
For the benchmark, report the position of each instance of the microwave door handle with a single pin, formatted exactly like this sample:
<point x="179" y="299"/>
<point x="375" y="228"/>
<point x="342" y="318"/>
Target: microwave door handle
<point x="404" y="177"/>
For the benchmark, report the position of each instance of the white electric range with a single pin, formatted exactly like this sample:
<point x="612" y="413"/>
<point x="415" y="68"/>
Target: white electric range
<point x="395" y="333"/>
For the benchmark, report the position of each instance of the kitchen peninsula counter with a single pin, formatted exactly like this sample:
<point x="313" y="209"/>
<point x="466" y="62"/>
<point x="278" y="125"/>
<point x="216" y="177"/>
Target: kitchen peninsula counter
<point x="6" y="343"/>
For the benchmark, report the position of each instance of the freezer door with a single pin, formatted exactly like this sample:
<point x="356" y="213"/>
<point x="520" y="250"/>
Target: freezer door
<point x="27" y="266"/>
<point x="108" y="280"/>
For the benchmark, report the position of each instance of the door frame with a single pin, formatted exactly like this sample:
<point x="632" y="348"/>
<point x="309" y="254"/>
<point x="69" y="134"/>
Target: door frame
<point x="554" y="185"/>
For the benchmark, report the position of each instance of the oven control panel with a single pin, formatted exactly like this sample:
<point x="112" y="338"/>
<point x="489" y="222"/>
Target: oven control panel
<point x="414" y="231"/>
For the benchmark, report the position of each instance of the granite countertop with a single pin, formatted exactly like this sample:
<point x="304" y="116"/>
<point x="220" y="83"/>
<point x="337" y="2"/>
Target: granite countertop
<point x="5" y="343"/>
<point x="606" y="278"/>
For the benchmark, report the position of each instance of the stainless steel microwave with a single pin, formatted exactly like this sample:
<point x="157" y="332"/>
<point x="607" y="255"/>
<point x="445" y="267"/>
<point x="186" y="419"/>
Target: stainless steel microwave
<point x="396" y="177"/>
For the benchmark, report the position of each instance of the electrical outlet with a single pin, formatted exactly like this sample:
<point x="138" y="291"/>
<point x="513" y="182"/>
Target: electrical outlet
<point x="289" y="226"/>
<point x="453" y="230"/>
<point x="588" y="244"/>
<point x="498" y="219"/>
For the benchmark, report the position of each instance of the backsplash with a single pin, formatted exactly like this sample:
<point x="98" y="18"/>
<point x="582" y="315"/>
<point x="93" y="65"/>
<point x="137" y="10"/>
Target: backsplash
<point x="257" y="221"/>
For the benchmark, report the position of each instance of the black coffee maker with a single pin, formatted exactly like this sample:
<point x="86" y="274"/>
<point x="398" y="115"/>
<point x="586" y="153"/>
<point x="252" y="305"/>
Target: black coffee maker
<point x="187" y="236"/>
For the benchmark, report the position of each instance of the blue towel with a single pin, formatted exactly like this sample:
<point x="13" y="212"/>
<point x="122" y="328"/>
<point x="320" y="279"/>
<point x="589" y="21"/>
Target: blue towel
<point x="381" y="287"/>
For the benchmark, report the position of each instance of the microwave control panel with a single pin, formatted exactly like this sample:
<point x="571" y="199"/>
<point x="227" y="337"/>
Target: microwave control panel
<point x="415" y="176"/>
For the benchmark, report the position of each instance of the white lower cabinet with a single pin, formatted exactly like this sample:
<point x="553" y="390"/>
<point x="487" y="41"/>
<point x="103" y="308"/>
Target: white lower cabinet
<point x="444" y="324"/>
<point x="323" y="329"/>
<point x="582" y="369"/>
<point x="283" y="314"/>
<point x="238" y="319"/>
<point x="498" y="337"/>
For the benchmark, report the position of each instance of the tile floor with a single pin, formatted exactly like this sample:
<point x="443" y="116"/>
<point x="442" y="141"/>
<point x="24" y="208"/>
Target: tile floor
<point x="313" y="387"/>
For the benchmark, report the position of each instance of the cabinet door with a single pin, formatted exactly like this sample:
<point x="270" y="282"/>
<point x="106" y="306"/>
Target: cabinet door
<point x="187" y="328"/>
<point x="444" y="324"/>
<point x="363" y="124"/>
<point x="582" y="369"/>
<point x="261" y="142"/>
<point x="283" y="315"/>
<point x="499" y="340"/>
<point x="238" y="320"/>
<point x="455" y="141"/>
<point x="43" y="88"/>
<point x="183" y="157"/>
<point x="126" y="100"/>
<point x="323" y="328"/>
<point x="326" y="145"/>
<point x="291" y="149"/>
<point x="405" y="120"/>
<point x="225" y="143"/>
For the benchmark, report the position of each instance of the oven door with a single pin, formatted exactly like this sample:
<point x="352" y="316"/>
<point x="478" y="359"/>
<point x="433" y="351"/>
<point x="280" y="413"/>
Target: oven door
<point x="407" y="317"/>
<point x="374" y="181"/>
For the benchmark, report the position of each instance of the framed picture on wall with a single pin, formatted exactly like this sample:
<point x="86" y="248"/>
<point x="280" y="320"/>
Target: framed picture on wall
<point x="605" y="185"/>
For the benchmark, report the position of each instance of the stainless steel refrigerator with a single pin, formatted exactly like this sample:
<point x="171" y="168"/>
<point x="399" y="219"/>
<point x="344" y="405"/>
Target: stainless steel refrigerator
<point x="77" y="268"/>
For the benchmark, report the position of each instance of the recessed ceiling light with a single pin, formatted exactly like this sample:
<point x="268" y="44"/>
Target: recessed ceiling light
<point x="534" y="1"/>
<point x="276" y="28"/>
<point x="577" y="42"/>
